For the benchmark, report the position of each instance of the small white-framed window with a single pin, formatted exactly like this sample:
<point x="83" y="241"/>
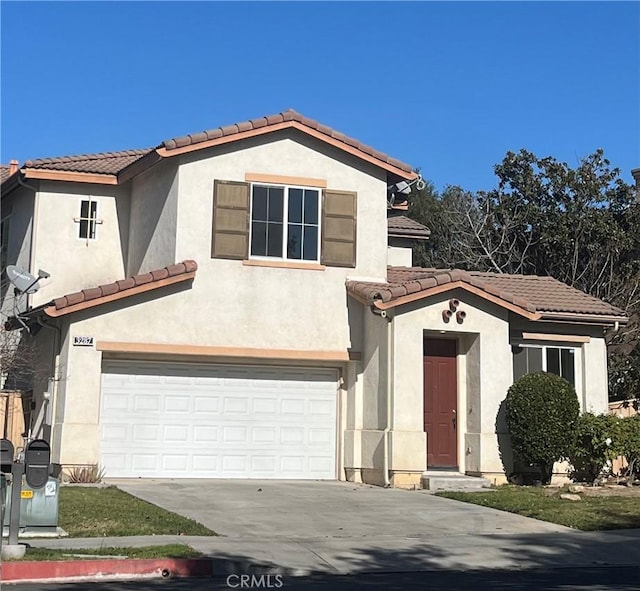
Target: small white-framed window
<point x="285" y="222"/>
<point x="88" y="219"/>
<point x="528" y="358"/>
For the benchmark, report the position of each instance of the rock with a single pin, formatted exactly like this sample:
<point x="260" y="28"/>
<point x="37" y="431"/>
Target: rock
<point x="576" y="488"/>
<point x="570" y="497"/>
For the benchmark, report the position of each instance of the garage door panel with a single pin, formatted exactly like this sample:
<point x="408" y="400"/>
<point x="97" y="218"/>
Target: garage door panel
<point x="179" y="420"/>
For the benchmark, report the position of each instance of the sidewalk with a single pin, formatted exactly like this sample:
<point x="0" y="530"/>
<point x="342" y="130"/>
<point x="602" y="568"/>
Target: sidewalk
<point x="350" y="555"/>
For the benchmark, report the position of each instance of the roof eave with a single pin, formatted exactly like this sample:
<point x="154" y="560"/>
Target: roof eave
<point x="580" y="318"/>
<point x="167" y="153"/>
<point x="409" y="235"/>
<point x="385" y="305"/>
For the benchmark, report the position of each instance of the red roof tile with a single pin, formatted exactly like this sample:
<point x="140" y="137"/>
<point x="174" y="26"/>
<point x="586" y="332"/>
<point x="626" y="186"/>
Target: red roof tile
<point x="101" y="163"/>
<point x="401" y="226"/>
<point x="270" y="120"/>
<point x="4" y="172"/>
<point x="114" y="162"/>
<point x="124" y="285"/>
<point x="543" y="295"/>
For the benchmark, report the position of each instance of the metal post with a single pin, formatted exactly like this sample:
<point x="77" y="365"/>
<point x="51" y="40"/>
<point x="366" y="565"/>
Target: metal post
<point x="3" y="505"/>
<point x="17" y="471"/>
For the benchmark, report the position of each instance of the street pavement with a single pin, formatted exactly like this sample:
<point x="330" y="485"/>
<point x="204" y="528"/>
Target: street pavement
<point x="566" y="579"/>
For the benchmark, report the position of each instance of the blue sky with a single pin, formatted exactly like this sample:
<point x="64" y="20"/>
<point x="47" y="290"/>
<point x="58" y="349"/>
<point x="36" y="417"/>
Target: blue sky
<point x="447" y="87"/>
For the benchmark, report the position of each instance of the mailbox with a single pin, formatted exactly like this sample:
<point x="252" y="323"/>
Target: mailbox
<point x="37" y="457"/>
<point x="6" y="455"/>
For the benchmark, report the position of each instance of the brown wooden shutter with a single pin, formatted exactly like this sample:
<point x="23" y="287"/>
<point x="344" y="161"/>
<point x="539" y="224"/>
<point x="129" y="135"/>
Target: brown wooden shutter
<point x="338" y="228"/>
<point x="230" y="236"/>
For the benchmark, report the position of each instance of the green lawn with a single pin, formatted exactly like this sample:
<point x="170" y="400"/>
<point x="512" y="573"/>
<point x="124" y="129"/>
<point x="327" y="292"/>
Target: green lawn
<point x="166" y="551"/>
<point x="96" y="512"/>
<point x="591" y="513"/>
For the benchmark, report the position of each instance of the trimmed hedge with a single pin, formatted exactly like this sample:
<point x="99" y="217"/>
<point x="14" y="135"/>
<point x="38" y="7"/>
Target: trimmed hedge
<point x="541" y="412"/>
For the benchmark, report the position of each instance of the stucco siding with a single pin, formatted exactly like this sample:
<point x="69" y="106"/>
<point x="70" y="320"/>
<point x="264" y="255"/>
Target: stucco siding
<point x="483" y="374"/>
<point x="153" y="219"/>
<point x="18" y="209"/>
<point x="75" y="263"/>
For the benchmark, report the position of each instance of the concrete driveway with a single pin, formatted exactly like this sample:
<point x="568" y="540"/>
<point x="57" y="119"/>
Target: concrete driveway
<point x="304" y="510"/>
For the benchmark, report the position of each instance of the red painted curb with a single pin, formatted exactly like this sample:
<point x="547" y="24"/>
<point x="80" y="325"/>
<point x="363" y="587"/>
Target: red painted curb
<point x="48" y="570"/>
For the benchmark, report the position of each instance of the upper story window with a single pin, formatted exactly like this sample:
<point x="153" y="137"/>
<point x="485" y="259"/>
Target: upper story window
<point x="285" y="222"/>
<point x="532" y="358"/>
<point x="289" y="222"/>
<point x="88" y="219"/>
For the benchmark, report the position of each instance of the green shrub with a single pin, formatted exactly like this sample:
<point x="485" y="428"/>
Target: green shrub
<point x="596" y="442"/>
<point x="629" y="434"/>
<point x="541" y="411"/>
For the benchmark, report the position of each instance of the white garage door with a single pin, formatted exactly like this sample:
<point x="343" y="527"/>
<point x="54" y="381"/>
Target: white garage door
<point x="214" y="421"/>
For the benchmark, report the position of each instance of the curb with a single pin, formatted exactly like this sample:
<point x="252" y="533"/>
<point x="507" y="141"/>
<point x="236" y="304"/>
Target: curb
<point x="58" y="570"/>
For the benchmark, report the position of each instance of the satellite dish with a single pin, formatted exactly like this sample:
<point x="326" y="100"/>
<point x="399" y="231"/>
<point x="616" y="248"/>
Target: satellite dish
<point x="23" y="281"/>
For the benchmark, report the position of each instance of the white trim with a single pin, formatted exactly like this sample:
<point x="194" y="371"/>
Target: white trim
<point x="544" y="347"/>
<point x="285" y="222"/>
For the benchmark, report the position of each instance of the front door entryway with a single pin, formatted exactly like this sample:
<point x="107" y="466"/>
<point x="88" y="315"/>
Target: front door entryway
<point x="440" y="402"/>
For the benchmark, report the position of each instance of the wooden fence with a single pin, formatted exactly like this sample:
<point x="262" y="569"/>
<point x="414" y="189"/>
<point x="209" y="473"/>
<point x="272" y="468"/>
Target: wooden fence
<point x="15" y="410"/>
<point x="622" y="409"/>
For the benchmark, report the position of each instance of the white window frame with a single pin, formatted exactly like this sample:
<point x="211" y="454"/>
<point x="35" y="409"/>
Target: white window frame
<point x="544" y="355"/>
<point x="91" y="221"/>
<point x="285" y="222"/>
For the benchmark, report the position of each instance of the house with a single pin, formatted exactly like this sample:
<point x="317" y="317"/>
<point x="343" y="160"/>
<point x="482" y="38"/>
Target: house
<point x="238" y="303"/>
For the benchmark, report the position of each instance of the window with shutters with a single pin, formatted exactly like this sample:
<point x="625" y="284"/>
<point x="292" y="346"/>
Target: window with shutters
<point x="285" y="222"/>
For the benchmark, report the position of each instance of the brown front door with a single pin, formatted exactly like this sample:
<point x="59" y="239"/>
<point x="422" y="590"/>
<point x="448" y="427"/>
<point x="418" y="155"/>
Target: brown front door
<point x="440" y="402"/>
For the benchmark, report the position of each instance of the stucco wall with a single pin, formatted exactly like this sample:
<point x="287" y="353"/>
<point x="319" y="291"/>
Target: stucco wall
<point x="484" y="371"/>
<point x="75" y="263"/>
<point x="153" y="215"/>
<point x="399" y="256"/>
<point x="18" y="207"/>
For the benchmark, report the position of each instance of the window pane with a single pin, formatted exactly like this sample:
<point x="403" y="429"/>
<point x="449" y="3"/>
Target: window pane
<point x="553" y="360"/>
<point x="84" y="209"/>
<point x="295" y="205"/>
<point x="534" y="359"/>
<point x="567" y="360"/>
<point x="259" y="238"/>
<point x="519" y="362"/>
<point x="311" y="207"/>
<point x="84" y="229"/>
<point x="294" y="242"/>
<point x="259" y="205"/>
<point x="274" y="240"/>
<point x="276" y="198"/>
<point x="92" y="222"/>
<point x="310" y="249"/>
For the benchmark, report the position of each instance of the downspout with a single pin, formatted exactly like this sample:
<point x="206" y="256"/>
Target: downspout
<point x="389" y="397"/>
<point x="52" y="386"/>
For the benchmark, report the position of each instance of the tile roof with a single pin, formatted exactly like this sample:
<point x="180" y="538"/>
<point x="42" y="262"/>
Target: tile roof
<point x="543" y="295"/>
<point x="100" y="163"/>
<point x="4" y="172"/>
<point x="270" y="120"/>
<point x="113" y="163"/>
<point x="401" y="226"/>
<point x="124" y="285"/>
